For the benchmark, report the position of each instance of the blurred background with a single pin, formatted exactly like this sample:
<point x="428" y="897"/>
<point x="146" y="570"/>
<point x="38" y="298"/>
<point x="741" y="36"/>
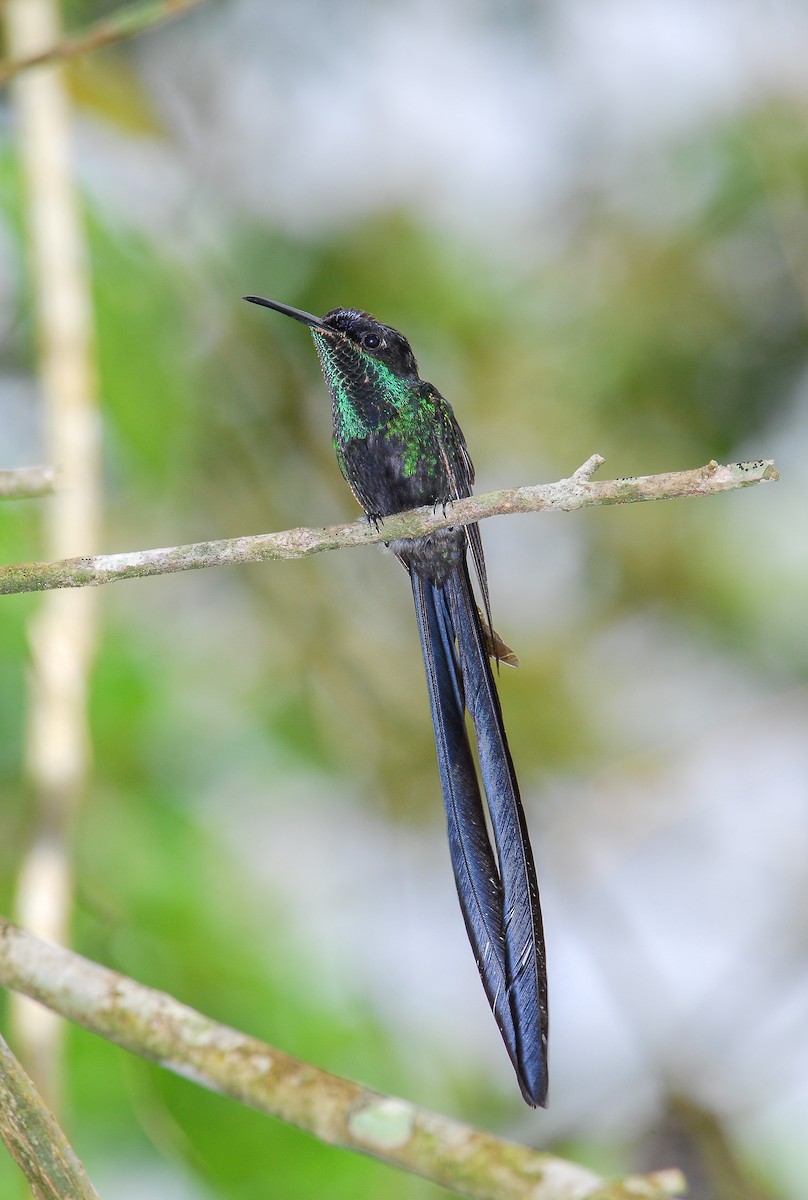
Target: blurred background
<point x="590" y="218"/>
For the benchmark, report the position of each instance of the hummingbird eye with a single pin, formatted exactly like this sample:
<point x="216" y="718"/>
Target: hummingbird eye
<point x="371" y="341"/>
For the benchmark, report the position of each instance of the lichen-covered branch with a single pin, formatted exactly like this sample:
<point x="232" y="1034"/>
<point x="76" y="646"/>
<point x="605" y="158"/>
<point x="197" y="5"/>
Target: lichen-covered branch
<point x="35" y="1141"/>
<point x="125" y="23"/>
<point x="335" y="1110"/>
<point x="26" y="483"/>
<point x="579" y="491"/>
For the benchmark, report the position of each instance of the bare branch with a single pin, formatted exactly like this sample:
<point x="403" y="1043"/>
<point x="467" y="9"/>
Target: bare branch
<point x="26" y="483"/>
<point x="576" y="492"/>
<point x="335" y="1110"/>
<point x="35" y="1141"/>
<point x="125" y="23"/>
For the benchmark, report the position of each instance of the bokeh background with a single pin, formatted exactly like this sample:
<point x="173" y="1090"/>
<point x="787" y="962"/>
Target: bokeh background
<point x="589" y="217"/>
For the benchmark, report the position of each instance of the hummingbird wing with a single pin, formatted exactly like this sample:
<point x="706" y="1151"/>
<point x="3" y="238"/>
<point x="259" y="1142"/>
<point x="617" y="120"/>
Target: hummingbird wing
<point x="460" y="472"/>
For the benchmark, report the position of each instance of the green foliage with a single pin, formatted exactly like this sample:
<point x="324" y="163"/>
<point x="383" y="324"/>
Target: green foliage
<point x="145" y="363"/>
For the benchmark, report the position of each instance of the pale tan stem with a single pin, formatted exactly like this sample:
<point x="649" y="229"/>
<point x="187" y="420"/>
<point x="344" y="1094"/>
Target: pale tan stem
<point x="62" y="634"/>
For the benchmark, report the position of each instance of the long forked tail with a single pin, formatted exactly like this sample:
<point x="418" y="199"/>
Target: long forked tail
<point x="496" y="886"/>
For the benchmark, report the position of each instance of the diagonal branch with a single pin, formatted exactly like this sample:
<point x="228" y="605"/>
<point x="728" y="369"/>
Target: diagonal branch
<point x="34" y="1140"/>
<point x="335" y="1110"/>
<point x="25" y="483"/>
<point x="567" y="494"/>
<point x="125" y="23"/>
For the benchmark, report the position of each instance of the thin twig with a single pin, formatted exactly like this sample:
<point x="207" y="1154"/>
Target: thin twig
<point x="26" y="483"/>
<point x="125" y="23"/>
<point x="35" y="1141"/>
<point x="576" y="492"/>
<point x="335" y="1110"/>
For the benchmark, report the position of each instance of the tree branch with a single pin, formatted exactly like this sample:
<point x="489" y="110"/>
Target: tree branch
<point x="576" y="492"/>
<point x="125" y="23"/>
<point x="26" y="483"/>
<point x="35" y="1141"/>
<point x="335" y="1110"/>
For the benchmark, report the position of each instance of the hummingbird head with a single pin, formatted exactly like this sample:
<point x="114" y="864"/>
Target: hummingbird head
<point x="353" y="342"/>
<point x="368" y="338"/>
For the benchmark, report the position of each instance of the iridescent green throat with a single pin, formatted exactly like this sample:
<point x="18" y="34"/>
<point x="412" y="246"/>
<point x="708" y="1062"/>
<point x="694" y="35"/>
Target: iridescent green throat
<point x="397" y="412"/>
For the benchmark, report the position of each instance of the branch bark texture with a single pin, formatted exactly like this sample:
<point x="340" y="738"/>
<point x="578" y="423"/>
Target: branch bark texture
<point x="579" y="491"/>
<point x="34" y="1140"/>
<point x="335" y="1110"/>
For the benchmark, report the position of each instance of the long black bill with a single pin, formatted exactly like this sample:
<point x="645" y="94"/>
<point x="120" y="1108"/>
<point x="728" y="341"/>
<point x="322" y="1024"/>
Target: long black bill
<point x="296" y="313"/>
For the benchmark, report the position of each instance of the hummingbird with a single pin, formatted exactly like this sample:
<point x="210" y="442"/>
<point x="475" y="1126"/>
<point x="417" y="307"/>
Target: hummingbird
<point x="399" y="447"/>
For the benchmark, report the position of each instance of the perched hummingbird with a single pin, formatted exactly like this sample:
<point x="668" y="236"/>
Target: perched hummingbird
<point x="399" y="446"/>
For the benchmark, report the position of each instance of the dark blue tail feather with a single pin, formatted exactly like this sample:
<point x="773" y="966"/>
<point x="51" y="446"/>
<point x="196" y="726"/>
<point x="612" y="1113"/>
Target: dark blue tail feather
<point x="475" y="869"/>
<point x="498" y="892"/>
